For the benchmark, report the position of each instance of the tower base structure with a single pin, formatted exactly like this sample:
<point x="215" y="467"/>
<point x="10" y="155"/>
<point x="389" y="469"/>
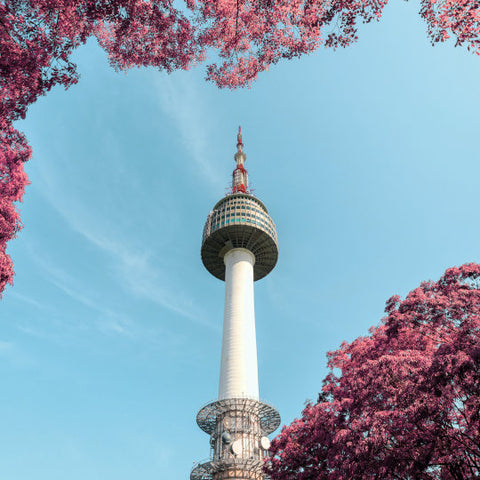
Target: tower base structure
<point x="238" y="429"/>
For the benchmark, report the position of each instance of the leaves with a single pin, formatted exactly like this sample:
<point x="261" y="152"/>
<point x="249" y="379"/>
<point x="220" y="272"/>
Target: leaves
<point x="407" y="402"/>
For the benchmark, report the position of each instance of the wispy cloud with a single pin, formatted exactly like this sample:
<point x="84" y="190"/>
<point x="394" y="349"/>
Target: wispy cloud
<point x="108" y="319"/>
<point x="138" y="277"/>
<point x="23" y="298"/>
<point x="140" y="268"/>
<point x="179" y="98"/>
<point x="132" y="266"/>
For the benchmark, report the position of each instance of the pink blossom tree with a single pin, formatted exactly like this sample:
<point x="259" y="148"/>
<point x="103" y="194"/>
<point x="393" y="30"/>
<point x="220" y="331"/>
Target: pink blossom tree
<point x="401" y="403"/>
<point x="37" y="38"/>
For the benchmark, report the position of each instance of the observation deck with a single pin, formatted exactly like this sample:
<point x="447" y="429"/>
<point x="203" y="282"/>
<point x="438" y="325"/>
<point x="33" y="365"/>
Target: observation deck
<point x="239" y="220"/>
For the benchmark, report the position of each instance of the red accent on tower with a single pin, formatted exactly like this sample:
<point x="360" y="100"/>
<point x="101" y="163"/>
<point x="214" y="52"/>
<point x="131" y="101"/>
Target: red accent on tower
<point x="240" y="175"/>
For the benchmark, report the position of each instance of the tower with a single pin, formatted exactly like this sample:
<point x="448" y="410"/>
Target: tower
<point x="239" y="246"/>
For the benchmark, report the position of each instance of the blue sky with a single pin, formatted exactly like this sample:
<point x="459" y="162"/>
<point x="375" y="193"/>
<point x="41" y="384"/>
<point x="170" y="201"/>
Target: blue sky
<point x="367" y="159"/>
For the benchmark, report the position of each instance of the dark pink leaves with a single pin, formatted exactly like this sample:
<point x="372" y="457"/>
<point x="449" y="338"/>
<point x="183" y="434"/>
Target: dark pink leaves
<point x="407" y="402"/>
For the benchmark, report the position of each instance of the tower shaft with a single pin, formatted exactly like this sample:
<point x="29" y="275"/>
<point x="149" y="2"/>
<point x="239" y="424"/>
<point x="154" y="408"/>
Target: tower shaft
<point x="238" y="367"/>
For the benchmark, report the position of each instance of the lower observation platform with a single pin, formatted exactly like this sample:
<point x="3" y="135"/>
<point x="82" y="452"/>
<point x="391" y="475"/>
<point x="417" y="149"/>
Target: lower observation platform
<point x="210" y="414"/>
<point x="238" y="429"/>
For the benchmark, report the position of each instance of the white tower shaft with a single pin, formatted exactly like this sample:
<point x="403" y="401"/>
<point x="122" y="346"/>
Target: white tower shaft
<point x="238" y="368"/>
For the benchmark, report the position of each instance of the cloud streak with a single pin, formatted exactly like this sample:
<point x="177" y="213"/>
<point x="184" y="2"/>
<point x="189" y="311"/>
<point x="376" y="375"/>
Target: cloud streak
<point x="110" y="319"/>
<point x="23" y="298"/>
<point x="134" y="267"/>
<point x="180" y="100"/>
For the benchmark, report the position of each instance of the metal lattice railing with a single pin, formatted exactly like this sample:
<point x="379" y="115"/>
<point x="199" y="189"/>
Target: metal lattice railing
<point x="268" y="415"/>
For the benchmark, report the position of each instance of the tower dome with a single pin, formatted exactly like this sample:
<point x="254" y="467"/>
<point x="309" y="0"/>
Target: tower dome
<point x="239" y="220"/>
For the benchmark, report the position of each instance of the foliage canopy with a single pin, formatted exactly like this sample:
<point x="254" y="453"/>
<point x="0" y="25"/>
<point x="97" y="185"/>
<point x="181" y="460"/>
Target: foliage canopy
<point x="37" y="38"/>
<point x="401" y="403"/>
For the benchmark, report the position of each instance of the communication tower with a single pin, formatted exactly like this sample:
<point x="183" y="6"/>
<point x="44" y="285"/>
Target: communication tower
<point x="239" y="246"/>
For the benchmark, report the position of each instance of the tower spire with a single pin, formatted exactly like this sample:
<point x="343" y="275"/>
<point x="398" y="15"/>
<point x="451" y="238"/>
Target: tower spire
<point x="240" y="175"/>
<point x="239" y="138"/>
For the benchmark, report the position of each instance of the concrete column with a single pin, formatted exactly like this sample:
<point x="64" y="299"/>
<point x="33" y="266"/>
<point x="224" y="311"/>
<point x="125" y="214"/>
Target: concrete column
<point x="238" y="368"/>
